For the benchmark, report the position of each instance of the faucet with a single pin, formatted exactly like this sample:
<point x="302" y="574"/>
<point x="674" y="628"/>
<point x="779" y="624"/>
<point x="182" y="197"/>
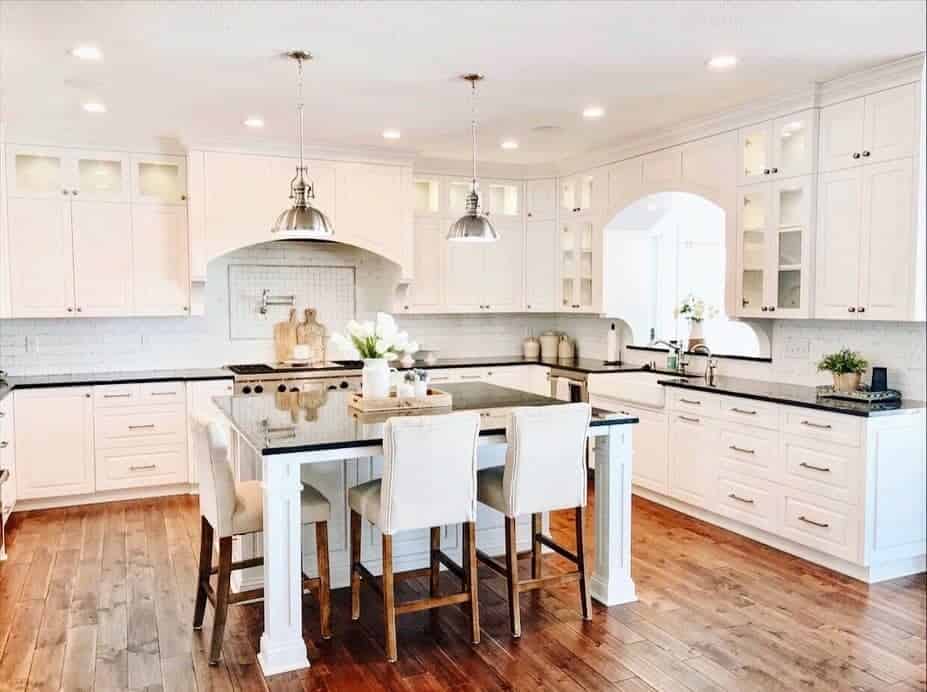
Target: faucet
<point x="710" y="363"/>
<point x="672" y="347"/>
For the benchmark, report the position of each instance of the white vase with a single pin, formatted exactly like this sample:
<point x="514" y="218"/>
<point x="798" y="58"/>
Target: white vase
<point x="375" y="378"/>
<point x="696" y="334"/>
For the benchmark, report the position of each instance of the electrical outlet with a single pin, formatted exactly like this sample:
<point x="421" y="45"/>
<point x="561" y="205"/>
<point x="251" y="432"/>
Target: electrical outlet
<point x="797" y="347"/>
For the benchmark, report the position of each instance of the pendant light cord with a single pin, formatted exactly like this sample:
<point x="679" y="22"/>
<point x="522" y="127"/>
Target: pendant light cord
<point x="299" y="109"/>
<point x="473" y="128"/>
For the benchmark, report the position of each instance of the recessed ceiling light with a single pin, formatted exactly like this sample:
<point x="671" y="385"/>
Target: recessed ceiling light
<point x="87" y="52"/>
<point x="593" y="112"/>
<point x="509" y="144"/>
<point x="254" y="121"/>
<point x="722" y="62"/>
<point x="391" y="134"/>
<point x="95" y="107"/>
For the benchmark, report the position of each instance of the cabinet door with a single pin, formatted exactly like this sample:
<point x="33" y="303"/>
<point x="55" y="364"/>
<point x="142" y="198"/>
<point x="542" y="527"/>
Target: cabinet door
<point x="54" y="442"/>
<point x="662" y="167"/>
<point x="7" y="456"/>
<point x="102" y="258"/>
<point x="201" y="412"/>
<point x="841" y="135"/>
<point x="793" y="145"/>
<point x="464" y="277"/>
<point x="837" y="247"/>
<point x="160" y="260"/>
<point x="541" y="199"/>
<point x="160" y="179"/>
<point x="503" y="199"/>
<point x="649" y="441"/>
<point x="102" y="176"/>
<point x="503" y="286"/>
<point x="754" y="222"/>
<point x="41" y="258"/>
<point x="427" y="196"/>
<point x="693" y="465"/>
<point x="755" y="152"/>
<point x="624" y="182"/>
<point x="888" y="247"/>
<point x="891" y="130"/>
<point x="790" y="247"/>
<point x="425" y="291"/>
<point x="541" y="266"/>
<point x="377" y="223"/>
<point x="39" y="172"/>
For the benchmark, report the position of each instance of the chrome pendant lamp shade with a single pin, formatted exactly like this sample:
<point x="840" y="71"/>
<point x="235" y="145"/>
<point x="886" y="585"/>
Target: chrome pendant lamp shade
<point x="302" y="220"/>
<point x="473" y="226"/>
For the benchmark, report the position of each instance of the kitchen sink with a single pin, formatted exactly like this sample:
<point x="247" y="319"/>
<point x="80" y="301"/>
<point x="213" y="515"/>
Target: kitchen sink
<point x="632" y="387"/>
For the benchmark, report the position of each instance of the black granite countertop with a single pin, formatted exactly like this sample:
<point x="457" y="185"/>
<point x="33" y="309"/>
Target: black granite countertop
<point x="86" y="379"/>
<point x="790" y="394"/>
<point x="272" y="428"/>
<point x="582" y="365"/>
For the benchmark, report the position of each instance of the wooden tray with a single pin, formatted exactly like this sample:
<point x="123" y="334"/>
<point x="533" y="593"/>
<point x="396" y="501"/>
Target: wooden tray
<point x="434" y="399"/>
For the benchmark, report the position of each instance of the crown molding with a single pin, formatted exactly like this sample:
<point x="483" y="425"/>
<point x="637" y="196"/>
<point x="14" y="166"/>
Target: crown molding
<point x="489" y="169"/>
<point x="878" y="78"/>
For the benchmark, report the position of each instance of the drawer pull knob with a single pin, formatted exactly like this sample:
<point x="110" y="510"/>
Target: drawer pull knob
<point x="814" y="468"/>
<point x="819" y="524"/>
<point x="746" y="501"/>
<point x="691" y="420"/>
<point x="146" y="467"/>
<point x="142" y="427"/>
<point x="4" y="444"/>
<point x="744" y="411"/>
<point x="819" y="426"/>
<point x="691" y="401"/>
<point x="117" y="396"/>
<point x="742" y="450"/>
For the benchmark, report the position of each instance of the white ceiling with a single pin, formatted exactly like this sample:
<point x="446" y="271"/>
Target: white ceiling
<point x="193" y="70"/>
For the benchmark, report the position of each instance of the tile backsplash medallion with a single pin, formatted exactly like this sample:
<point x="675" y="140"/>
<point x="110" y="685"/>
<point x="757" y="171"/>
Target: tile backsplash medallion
<point x="233" y="331"/>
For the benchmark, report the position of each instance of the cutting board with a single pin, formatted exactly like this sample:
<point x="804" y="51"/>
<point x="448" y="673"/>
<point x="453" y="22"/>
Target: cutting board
<point x="313" y="334"/>
<point x="285" y="337"/>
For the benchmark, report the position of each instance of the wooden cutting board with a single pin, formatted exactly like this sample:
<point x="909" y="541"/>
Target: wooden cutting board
<point x="285" y="337"/>
<point x="313" y="334"/>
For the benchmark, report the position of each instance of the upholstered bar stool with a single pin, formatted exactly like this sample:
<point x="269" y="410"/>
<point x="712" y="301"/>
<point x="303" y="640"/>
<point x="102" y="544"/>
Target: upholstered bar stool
<point x="545" y="470"/>
<point x="429" y="481"/>
<point x="231" y="509"/>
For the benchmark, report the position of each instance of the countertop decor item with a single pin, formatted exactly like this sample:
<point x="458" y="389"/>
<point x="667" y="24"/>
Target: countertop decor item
<point x="302" y="220"/>
<point x="695" y="311"/>
<point x="565" y="349"/>
<point x="531" y="347"/>
<point x="549" y="342"/>
<point x="846" y="366"/>
<point x="312" y="334"/>
<point x="434" y="398"/>
<point x="611" y="346"/>
<point x="285" y="338"/>
<point x="377" y="344"/>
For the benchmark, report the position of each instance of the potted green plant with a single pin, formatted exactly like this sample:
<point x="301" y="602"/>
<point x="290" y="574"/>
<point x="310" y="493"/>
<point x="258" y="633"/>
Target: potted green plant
<point x="846" y="366"/>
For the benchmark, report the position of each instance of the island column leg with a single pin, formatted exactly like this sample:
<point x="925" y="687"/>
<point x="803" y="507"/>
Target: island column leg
<point x="611" y="582"/>
<point x="282" y="645"/>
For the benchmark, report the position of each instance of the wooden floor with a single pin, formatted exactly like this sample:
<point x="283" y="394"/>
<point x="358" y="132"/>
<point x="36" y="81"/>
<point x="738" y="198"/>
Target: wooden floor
<point x="101" y="597"/>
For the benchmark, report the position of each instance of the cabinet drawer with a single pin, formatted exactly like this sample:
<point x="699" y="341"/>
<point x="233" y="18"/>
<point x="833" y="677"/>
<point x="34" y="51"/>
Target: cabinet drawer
<point x="695" y="402"/>
<point x="123" y="468"/>
<point x="749" y="500"/>
<point x="750" y="412"/>
<point x="828" y="526"/>
<point x="827" y="427"/>
<point x="111" y="395"/>
<point x="753" y="451"/>
<point x="821" y="468"/>
<point x="159" y="426"/>
<point x="162" y="393"/>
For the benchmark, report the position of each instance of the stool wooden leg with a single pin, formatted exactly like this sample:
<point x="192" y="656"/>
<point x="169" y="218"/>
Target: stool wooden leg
<point x="584" y="598"/>
<point x="472" y="582"/>
<point x="389" y="599"/>
<point x="511" y="560"/>
<point x="536" y="528"/>
<point x="223" y="584"/>
<point x="206" y="540"/>
<point x="321" y="556"/>
<point x="355" y="558"/>
<point x="435" y="564"/>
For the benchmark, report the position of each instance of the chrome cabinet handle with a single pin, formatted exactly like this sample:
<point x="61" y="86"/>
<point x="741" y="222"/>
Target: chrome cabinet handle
<point x="860" y="309"/>
<point x="742" y="450"/>
<point x="819" y="426"/>
<point x="744" y="411"/>
<point x="117" y="396"/>
<point x="2" y="414"/>
<point x="813" y="522"/>
<point x="146" y="467"/>
<point x="855" y="154"/>
<point x="4" y="444"/>
<point x="691" y="401"/>
<point x="775" y="170"/>
<point x="163" y="393"/>
<point x="439" y="379"/>
<point x="823" y="469"/>
<point x="866" y="154"/>
<point x="469" y="377"/>
<point x="147" y="426"/>
<point x="745" y="500"/>
<point x="851" y="309"/>
<point x="690" y="420"/>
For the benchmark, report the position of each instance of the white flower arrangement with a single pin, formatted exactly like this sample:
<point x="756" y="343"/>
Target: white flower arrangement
<point x="381" y="339"/>
<point x="695" y="310"/>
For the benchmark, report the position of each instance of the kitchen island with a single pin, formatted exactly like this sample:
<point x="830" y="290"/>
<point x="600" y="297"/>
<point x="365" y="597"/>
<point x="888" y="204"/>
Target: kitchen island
<point x="284" y="441"/>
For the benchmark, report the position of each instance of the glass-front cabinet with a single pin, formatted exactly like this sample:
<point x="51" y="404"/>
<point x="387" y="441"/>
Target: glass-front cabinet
<point x="576" y="266"/>
<point x="159" y="179"/>
<point x="774" y="233"/>
<point x="777" y="149"/>
<point x="51" y="173"/>
<point x="576" y="194"/>
<point x="427" y="193"/>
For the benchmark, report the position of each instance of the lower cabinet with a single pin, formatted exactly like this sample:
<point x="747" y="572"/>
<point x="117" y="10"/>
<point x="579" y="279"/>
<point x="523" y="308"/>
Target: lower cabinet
<point x="7" y="459"/>
<point x="693" y="464"/>
<point x="201" y="411"/>
<point x="650" y="467"/>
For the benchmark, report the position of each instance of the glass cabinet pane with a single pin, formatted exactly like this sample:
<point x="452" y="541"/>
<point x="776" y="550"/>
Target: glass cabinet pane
<point x="37" y="174"/>
<point x="568" y="195"/>
<point x="793" y="142"/>
<point x="585" y="192"/>
<point x="753" y="210"/>
<point x="752" y="298"/>
<point x="755" y="152"/>
<point x="100" y="177"/>
<point x="160" y="182"/>
<point x="789" y="293"/>
<point x="792" y="205"/>
<point x="427" y="199"/>
<point x="790" y="249"/>
<point x="504" y="199"/>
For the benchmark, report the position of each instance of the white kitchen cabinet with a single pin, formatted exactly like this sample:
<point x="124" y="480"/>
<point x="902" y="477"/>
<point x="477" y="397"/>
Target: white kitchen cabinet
<point x="774" y="240"/>
<point x="102" y="176"/>
<point x="426" y="291"/>
<point x="693" y="464"/>
<point x="780" y="148"/>
<point x="428" y="193"/>
<point x="201" y="411"/>
<point x="541" y="199"/>
<point x="541" y="250"/>
<point x="578" y="194"/>
<point x="624" y="182"/>
<point x="866" y="243"/>
<point x="160" y="260"/>
<point x="54" y="441"/>
<point x="463" y="276"/>
<point x="39" y="172"/>
<point x="159" y="179"/>
<point x="503" y="199"/>
<point x="650" y="445"/>
<point x="878" y="127"/>
<point x="486" y="277"/>
<point x="103" y="272"/>
<point x="661" y="167"/>
<point x="576" y="265"/>
<point x="7" y="456"/>
<point x="377" y="223"/>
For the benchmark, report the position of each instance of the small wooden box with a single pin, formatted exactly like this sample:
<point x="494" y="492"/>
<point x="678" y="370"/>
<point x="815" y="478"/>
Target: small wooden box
<point x="434" y="399"/>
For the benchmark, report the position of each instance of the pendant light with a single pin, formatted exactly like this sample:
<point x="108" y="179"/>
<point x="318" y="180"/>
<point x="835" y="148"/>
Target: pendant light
<point x="473" y="227"/>
<point x="302" y="220"/>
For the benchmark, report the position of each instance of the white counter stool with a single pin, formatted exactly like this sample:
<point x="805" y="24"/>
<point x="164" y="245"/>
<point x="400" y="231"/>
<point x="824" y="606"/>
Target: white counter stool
<point x="545" y="470"/>
<point x="429" y="481"/>
<point x="234" y="509"/>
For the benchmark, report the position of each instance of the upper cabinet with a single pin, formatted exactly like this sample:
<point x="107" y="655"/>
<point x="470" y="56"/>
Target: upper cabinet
<point x="878" y="127"/>
<point x="541" y="199"/>
<point x="577" y="266"/>
<point x="486" y="277"/>
<point x="371" y="209"/>
<point x="159" y="179"/>
<point x="779" y="148"/>
<point x="577" y="194"/>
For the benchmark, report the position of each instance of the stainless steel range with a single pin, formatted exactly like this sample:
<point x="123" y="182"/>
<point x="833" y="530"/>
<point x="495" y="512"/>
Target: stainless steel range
<point x="260" y="378"/>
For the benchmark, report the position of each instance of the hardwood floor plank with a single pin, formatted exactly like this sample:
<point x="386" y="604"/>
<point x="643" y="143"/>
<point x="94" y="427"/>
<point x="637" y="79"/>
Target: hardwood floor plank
<point x="20" y="645"/>
<point x="112" y="659"/>
<point x="80" y="658"/>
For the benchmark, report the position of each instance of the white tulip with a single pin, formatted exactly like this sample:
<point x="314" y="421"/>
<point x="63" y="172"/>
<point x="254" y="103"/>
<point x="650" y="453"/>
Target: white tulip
<point x="411" y="347"/>
<point x="386" y="326"/>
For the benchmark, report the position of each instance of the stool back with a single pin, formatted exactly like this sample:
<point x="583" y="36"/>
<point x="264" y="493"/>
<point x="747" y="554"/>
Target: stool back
<point x="545" y="464"/>
<point x="217" y="482"/>
<point x="429" y="471"/>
